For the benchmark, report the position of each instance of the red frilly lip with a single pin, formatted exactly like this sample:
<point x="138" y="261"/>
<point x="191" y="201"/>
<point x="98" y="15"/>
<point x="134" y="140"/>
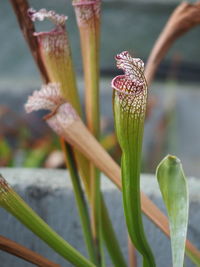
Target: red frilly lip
<point x="122" y="55"/>
<point x="127" y="86"/>
<point x="55" y="31"/>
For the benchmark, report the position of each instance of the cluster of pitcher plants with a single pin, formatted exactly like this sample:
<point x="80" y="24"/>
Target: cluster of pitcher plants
<point x="84" y="155"/>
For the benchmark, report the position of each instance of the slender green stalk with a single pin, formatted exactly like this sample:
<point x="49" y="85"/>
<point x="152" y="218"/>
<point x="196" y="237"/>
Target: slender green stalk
<point x="110" y="239"/>
<point x="15" y="205"/>
<point x="129" y="104"/>
<point x="80" y="200"/>
<point x="132" y="254"/>
<point x="88" y="20"/>
<point x="96" y="218"/>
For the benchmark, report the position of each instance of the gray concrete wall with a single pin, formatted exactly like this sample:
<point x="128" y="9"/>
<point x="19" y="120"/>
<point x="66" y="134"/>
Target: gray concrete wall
<point x="49" y="193"/>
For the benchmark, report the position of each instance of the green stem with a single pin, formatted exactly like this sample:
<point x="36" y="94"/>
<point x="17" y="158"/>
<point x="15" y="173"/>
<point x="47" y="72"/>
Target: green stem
<point x="15" y="205"/>
<point x="110" y="239"/>
<point x="80" y="200"/>
<point x="131" y="187"/>
<point x="91" y="71"/>
<point x="96" y="211"/>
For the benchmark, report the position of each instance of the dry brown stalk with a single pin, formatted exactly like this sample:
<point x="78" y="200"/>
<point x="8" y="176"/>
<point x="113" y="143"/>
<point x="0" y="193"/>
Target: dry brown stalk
<point x="22" y="252"/>
<point x="27" y="27"/>
<point x="184" y="17"/>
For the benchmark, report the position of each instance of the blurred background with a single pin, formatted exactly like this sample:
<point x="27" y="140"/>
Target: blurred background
<point x="134" y="25"/>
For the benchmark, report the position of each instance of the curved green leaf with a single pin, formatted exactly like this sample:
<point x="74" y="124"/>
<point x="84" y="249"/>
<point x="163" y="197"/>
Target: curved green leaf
<point x="174" y="189"/>
<point x="15" y="205"/>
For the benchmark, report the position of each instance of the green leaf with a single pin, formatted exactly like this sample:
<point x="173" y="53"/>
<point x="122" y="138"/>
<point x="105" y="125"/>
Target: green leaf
<point x="174" y="189"/>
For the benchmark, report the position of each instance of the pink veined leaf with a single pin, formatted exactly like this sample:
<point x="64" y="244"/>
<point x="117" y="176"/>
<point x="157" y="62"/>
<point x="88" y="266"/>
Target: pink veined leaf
<point x="130" y="88"/>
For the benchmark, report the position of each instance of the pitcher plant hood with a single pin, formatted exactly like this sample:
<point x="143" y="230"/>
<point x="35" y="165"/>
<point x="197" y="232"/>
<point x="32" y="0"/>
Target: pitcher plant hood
<point x="130" y="89"/>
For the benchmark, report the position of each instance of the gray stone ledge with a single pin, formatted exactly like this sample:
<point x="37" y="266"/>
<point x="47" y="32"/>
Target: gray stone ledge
<point x="49" y="193"/>
<point x="59" y="179"/>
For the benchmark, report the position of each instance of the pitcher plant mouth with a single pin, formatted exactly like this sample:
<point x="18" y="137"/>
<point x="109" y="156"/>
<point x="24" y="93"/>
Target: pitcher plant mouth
<point x="85" y="10"/>
<point x="130" y="89"/>
<point x="53" y="41"/>
<point x="126" y="86"/>
<point x="54" y="46"/>
<point x="51" y="15"/>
